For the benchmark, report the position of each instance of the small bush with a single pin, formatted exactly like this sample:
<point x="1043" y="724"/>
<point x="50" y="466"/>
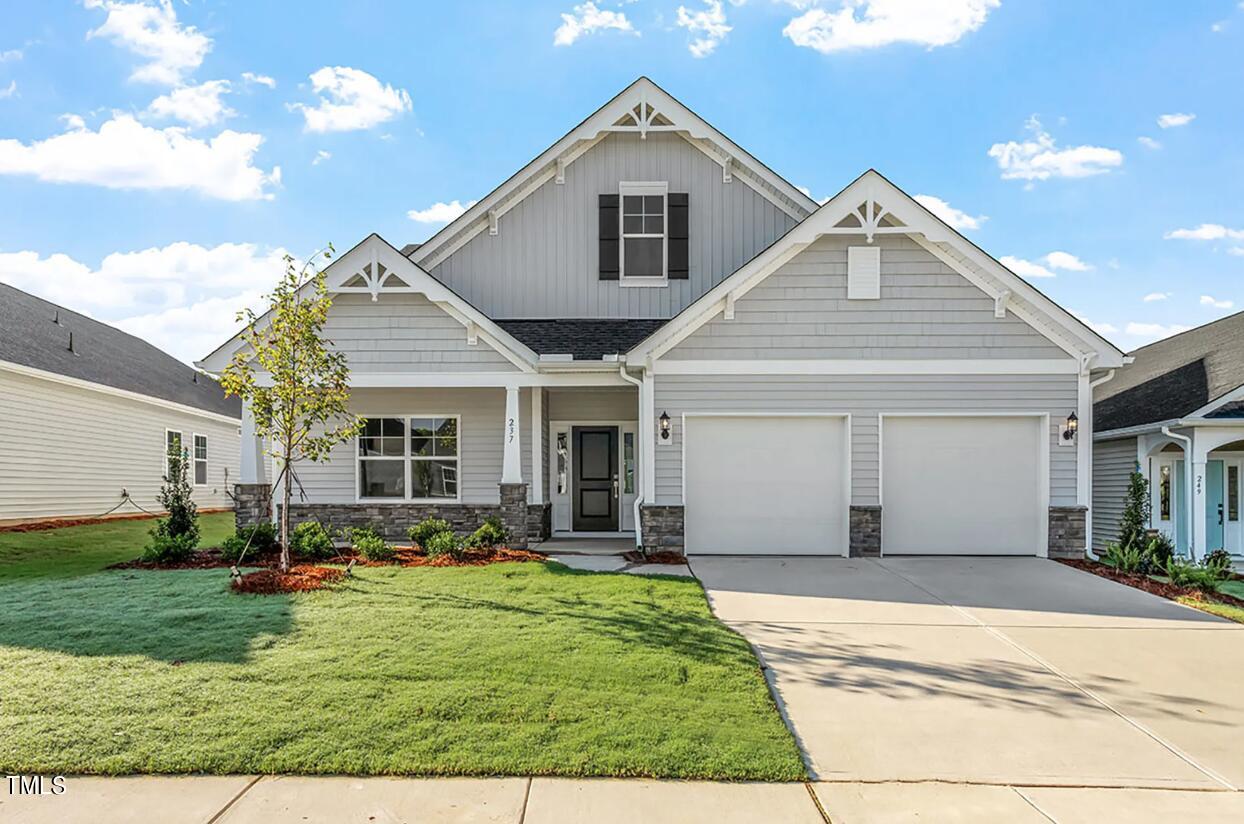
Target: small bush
<point x="169" y="549"/>
<point x="311" y="541"/>
<point x="444" y="543"/>
<point x="423" y="531"/>
<point x="1124" y="558"/>
<point x="490" y="533"/>
<point x="1219" y="563"/>
<point x="1184" y="573"/>
<point x="262" y="537"/>
<point x="370" y="545"/>
<point x="1159" y="549"/>
<point x="231" y="548"/>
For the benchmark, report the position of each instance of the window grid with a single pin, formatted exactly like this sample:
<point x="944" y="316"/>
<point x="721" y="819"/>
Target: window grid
<point x="644" y="220"/>
<point x="426" y="448"/>
<point x="200" y="460"/>
<point x="172" y="446"/>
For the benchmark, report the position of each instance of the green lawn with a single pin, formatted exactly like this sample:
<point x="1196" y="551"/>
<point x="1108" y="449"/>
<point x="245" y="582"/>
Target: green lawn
<point x="511" y="669"/>
<point x="79" y="550"/>
<point x="1232" y="587"/>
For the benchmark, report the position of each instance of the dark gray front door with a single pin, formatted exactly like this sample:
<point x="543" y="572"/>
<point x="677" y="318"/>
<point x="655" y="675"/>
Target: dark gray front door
<point x="595" y="478"/>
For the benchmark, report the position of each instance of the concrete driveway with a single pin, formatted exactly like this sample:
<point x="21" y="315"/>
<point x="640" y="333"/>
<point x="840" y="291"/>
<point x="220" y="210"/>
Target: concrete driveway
<point x="1009" y="672"/>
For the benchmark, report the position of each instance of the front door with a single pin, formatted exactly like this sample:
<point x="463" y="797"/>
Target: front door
<point x="595" y="479"/>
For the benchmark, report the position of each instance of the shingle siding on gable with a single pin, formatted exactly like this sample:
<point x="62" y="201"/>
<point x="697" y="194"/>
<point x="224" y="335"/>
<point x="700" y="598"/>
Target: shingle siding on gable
<point x="544" y="261"/>
<point x="926" y="310"/>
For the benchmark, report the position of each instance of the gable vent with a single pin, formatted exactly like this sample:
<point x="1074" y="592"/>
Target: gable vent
<point x="863" y="273"/>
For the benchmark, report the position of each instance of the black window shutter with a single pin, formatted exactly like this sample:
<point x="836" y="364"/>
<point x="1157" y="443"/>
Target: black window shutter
<point x="679" y="230"/>
<point x="609" y="237"/>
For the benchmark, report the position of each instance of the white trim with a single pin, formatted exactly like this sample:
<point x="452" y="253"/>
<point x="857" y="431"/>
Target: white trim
<point x="453" y="380"/>
<point x="864" y="366"/>
<point x="537" y="446"/>
<point x="640" y="188"/>
<point x="1223" y="399"/>
<point x="181" y="440"/>
<point x="1158" y="426"/>
<point x="568" y="426"/>
<point x="194" y="460"/>
<point x="847" y="492"/>
<point x="1043" y="464"/>
<point x="406" y="458"/>
<point x="78" y="383"/>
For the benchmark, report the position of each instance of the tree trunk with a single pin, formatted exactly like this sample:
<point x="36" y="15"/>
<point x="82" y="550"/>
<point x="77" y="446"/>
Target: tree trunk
<point x="287" y="493"/>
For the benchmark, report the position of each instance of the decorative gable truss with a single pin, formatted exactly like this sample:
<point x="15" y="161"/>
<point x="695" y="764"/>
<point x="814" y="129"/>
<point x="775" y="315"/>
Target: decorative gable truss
<point x="642" y="108"/>
<point x="872" y="206"/>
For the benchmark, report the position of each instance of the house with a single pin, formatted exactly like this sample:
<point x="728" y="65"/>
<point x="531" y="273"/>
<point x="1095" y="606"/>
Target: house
<point x="87" y="413"/>
<point x="647" y="331"/>
<point x="1176" y="414"/>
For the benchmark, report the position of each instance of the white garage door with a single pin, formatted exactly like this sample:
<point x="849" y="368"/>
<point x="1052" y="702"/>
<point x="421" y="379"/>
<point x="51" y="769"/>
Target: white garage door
<point x="963" y="485"/>
<point x="766" y="485"/>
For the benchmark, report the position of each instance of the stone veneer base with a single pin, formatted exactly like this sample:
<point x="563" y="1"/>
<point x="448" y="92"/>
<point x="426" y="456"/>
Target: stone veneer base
<point x="662" y="528"/>
<point x="1067" y="531"/>
<point x="865" y="538"/>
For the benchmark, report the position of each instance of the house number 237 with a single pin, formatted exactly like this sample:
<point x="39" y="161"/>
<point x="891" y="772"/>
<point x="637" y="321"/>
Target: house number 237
<point x="509" y="430"/>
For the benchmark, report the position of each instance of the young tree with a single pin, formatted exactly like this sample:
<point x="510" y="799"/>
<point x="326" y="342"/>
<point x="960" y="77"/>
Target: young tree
<point x="175" y="536"/>
<point x="297" y="387"/>
<point x="1135" y="520"/>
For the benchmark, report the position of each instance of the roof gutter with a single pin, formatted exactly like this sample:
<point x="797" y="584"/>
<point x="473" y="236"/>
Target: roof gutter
<point x="1088" y="526"/>
<point x="1159" y="426"/>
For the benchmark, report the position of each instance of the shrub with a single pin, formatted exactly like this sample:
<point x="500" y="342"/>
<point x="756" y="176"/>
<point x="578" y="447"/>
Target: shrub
<point x="1124" y="558"/>
<point x="1219" y="563"/>
<point x="231" y="548"/>
<point x="169" y="549"/>
<point x="490" y="533"/>
<point x="1184" y="573"/>
<point x="423" y="531"/>
<point x="370" y="545"/>
<point x="1135" y="518"/>
<point x="262" y="537"/>
<point x="444" y="543"/>
<point x="311" y="541"/>
<point x="1158" y="551"/>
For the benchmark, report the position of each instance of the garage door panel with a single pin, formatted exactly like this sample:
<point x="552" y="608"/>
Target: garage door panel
<point x="963" y="485"/>
<point x="765" y="485"/>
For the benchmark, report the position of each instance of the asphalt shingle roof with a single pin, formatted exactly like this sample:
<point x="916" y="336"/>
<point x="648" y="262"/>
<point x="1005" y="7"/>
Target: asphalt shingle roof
<point x="584" y="338"/>
<point x="1231" y="409"/>
<point x="35" y="333"/>
<point x="1171" y="395"/>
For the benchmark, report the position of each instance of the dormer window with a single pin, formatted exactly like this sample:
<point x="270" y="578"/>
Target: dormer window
<point x="644" y="235"/>
<point x="643" y="230"/>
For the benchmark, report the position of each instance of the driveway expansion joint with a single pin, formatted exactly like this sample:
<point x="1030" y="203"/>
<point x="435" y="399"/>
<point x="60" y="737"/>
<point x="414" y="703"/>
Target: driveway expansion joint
<point x="232" y="801"/>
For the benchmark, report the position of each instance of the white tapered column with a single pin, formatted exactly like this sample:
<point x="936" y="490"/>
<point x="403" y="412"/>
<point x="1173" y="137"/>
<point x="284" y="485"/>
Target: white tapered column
<point x="512" y="464"/>
<point x="253" y="468"/>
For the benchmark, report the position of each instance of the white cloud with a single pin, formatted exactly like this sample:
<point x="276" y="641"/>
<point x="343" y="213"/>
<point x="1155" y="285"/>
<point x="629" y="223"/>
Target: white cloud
<point x="1171" y="121"/>
<point x="585" y="19"/>
<point x="952" y="217"/>
<point x="1209" y="300"/>
<point x="1238" y="251"/>
<point x="320" y="157"/>
<point x="9" y="90"/>
<point x="259" y="79"/>
<point x="1065" y="261"/>
<point x="440" y="212"/>
<point x="11" y="54"/>
<point x="199" y="105"/>
<point x="351" y="99"/>
<point x="707" y="25"/>
<point x="1149" y="142"/>
<point x="820" y="200"/>
<point x="182" y="297"/>
<point x="1149" y="332"/>
<point x="125" y="154"/>
<point x="1025" y="268"/>
<point x="1039" y="158"/>
<point x="1155" y="296"/>
<point x="152" y="31"/>
<point x="884" y="22"/>
<point x="1206" y="231"/>
<point x="1099" y="328"/>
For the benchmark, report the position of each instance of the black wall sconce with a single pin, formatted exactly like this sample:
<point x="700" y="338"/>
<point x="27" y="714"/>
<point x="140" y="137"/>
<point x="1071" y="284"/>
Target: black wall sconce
<point x="665" y="426"/>
<point x="1073" y="426"/>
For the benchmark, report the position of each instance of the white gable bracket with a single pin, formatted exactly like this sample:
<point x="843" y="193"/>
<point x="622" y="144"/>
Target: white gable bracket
<point x="727" y="170"/>
<point x="493" y="217"/>
<point x="728" y="312"/>
<point x="561" y="171"/>
<point x="472" y="333"/>
<point x="999" y="303"/>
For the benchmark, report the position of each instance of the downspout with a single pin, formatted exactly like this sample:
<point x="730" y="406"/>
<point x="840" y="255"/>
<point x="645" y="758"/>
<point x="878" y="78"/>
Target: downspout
<point x="639" y="480"/>
<point x="1166" y="430"/>
<point x="1088" y="525"/>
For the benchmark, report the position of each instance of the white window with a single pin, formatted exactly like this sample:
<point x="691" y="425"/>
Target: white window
<point x="409" y="459"/>
<point x="863" y="273"/>
<point x="200" y="460"/>
<point x="172" y="446"/>
<point x="644" y="217"/>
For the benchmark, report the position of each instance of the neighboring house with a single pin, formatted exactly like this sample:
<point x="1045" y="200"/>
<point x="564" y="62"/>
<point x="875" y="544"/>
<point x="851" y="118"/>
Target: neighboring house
<point x="1176" y="413"/>
<point x="646" y="327"/>
<point x="86" y="414"/>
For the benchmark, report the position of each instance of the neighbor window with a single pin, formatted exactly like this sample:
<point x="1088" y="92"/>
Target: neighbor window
<point x="1164" y="493"/>
<point x="200" y="460"/>
<point x="172" y="446"/>
<point x="643" y="229"/>
<point x="413" y="459"/>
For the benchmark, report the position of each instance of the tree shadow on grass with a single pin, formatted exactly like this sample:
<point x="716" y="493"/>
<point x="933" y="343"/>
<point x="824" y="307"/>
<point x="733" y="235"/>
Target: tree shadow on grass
<point x="174" y="616"/>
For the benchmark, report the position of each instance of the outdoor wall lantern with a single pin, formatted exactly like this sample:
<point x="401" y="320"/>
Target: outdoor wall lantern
<point x="665" y="426"/>
<point x="1073" y="424"/>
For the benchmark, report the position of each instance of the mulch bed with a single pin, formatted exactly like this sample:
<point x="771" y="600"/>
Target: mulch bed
<point x="300" y="578"/>
<point x="408" y="556"/>
<point x="202" y="559"/>
<point x="662" y="557"/>
<point x="1159" y="588"/>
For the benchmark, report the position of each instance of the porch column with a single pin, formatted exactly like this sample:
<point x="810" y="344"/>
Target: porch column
<point x="512" y="464"/>
<point x="253" y="469"/>
<point x="1196" y="458"/>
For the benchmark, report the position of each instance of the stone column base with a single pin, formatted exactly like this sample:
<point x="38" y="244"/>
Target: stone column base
<point x="865" y="532"/>
<point x="514" y="513"/>
<point x="252" y="504"/>
<point x="1067" y="531"/>
<point x="539" y="522"/>
<point x="662" y="528"/>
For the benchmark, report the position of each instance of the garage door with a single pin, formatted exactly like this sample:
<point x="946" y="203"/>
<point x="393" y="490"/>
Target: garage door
<point x="766" y="485"/>
<point x="963" y="485"/>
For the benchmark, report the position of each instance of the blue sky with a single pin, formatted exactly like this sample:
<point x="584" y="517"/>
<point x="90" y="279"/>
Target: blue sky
<point x="157" y="159"/>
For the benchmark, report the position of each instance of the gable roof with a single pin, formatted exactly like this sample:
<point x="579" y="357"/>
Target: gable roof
<point x="1220" y="344"/>
<point x="35" y="333"/>
<point x="872" y="205"/>
<point x="640" y="108"/>
<point x="582" y="338"/>
<point x="1174" y="394"/>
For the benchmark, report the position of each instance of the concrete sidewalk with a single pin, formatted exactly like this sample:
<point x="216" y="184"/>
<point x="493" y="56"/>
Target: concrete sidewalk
<point x="341" y="800"/>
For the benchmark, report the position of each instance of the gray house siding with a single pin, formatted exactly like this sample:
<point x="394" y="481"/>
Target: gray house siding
<point x="864" y="397"/>
<point x="405" y="333"/>
<point x="595" y="404"/>
<point x="480" y="445"/>
<point x="544" y="261"/>
<point x="926" y="310"/>
<point x="1113" y="464"/>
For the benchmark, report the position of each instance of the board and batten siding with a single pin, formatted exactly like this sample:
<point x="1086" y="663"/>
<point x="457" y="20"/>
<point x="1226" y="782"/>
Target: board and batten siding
<point x="926" y="310"/>
<point x="544" y="260"/>
<point x="865" y="397"/>
<point x="69" y="450"/>
<point x="405" y="333"/>
<point x="480" y="440"/>
<point x="1113" y="465"/>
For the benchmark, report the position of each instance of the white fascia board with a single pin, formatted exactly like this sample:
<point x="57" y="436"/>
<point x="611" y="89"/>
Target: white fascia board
<point x="1190" y="422"/>
<point x="1225" y="398"/>
<point x="1013" y="366"/>
<point x="399" y="380"/>
<point x="104" y="389"/>
<point x="582" y="137"/>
